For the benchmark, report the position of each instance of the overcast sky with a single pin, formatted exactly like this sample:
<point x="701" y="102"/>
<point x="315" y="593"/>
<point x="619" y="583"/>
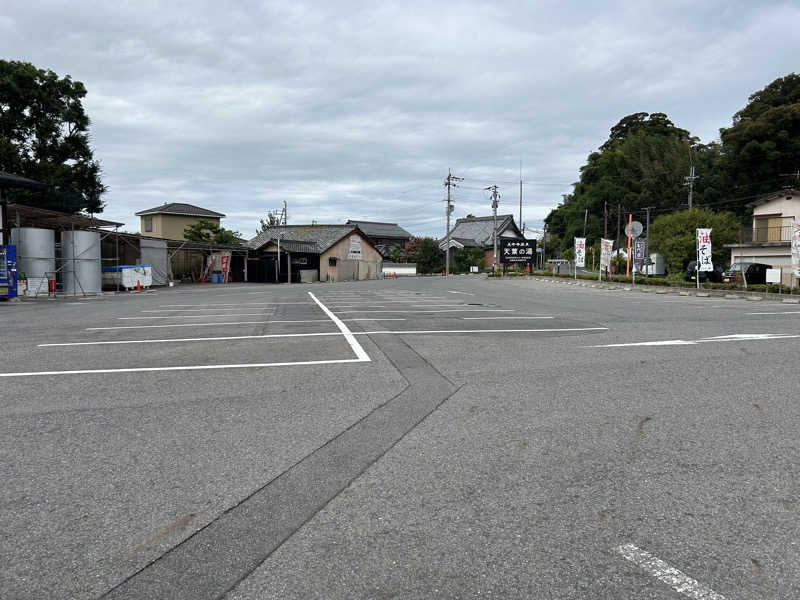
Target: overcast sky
<point x="357" y="109"/>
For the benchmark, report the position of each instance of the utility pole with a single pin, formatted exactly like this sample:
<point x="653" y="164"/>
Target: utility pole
<point x="585" y="217"/>
<point x="521" y="224"/>
<point x="450" y="182"/>
<point x="605" y="219"/>
<point x="647" y="244"/>
<point x="689" y="181"/>
<point x="495" y="203"/>
<point x="619" y="216"/>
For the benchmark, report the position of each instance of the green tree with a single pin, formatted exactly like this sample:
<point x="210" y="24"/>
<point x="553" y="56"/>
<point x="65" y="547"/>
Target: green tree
<point x="642" y="163"/>
<point x="673" y="236"/>
<point x="467" y="257"/>
<point x="272" y="220"/>
<point x="208" y="231"/>
<point x="764" y="140"/>
<point x="44" y="135"/>
<point x="425" y="252"/>
<point x="395" y="253"/>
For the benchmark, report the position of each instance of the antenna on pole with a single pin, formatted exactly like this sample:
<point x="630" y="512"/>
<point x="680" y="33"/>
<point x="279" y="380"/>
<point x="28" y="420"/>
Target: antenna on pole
<point x="450" y="182"/>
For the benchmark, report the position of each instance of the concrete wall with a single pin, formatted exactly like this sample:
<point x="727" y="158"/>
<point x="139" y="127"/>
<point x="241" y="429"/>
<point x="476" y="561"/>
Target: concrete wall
<point x="171" y="227"/>
<point x="344" y="271"/>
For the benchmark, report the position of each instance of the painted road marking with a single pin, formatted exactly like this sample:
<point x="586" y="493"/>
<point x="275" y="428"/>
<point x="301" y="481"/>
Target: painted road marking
<point x="348" y="335"/>
<point x="318" y="334"/>
<point x="179" y="306"/>
<point x="793" y="312"/>
<point x="485" y="318"/>
<point x="455" y="292"/>
<point x="666" y="573"/>
<point x="220" y="316"/>
<point x="736" y="337"/>
<point x="176" y="310"/>
<point x="227" y="323"/>
<point x="188" y="368"/>
<point x="341" y="312"/>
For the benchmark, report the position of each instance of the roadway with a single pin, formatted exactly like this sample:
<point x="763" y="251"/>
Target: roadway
<point x="407" y="438"/>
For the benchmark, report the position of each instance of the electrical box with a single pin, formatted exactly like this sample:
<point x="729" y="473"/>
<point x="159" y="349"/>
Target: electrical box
<point x="8" y="271"/>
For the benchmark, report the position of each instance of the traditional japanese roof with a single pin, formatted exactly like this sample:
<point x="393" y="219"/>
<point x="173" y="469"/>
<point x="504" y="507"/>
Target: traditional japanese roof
<point x="316" y="237"/>
<point x="479" y="229"/>
<point x="373" y="229"/>
<point x="458" y="242"/>
<point x="179" y="208"/>
<point x="9" y="180"/>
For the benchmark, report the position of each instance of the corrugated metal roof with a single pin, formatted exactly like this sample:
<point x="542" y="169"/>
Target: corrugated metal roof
<point x="179" y="208"/>
<point x="374" y="229"/>
<point x="321" y="236"/>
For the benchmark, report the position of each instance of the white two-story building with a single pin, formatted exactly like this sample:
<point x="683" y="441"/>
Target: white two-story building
<point x="770" y="239"/>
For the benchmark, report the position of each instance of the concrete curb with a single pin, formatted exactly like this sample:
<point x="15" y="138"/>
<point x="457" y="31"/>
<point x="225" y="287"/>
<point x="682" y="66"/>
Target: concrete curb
<point x="684" y="292"/>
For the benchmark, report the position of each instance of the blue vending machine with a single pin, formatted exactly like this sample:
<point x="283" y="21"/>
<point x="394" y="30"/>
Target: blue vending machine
<point x="8" y="271"/>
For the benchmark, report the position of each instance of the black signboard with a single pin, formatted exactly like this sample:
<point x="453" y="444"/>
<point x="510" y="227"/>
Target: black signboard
<point x="517" y="251"/>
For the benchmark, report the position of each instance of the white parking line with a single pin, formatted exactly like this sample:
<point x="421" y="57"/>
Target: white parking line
<point x="187" y="368"/>
<point x="177" y="310"/>
<point x="220" y="316"/>
<point x="228" y="323"/>
<point x="178" y="306"/>
<point x="455" y="292"/>
<point x="486" y="318"/>
<point x="349" y="334"/>
<point x="735" y="337"/>
<point x="341" y="312"/>
<point x="666" y="573"/>
<point x="792" y="312"/>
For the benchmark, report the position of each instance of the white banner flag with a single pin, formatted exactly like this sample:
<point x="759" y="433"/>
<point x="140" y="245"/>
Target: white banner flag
<point x="704" y="250"/>
<point x="580" y="252"/>
<point x="796" y="248"/>
<point x="606" y="247"/>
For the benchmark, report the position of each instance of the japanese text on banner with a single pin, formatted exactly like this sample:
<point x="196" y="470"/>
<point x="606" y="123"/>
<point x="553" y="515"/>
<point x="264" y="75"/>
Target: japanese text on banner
<point x="606" y="246"/>
<point x="796" y="248"/>
<point x="704" y="250"/>
<point x="580" y="252"/>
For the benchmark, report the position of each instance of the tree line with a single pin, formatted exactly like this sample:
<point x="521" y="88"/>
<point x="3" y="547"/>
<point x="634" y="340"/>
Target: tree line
<point x="647" y="157"/>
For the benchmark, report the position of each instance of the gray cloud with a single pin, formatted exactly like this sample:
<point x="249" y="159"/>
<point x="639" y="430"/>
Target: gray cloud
<point x="357" y="110"/>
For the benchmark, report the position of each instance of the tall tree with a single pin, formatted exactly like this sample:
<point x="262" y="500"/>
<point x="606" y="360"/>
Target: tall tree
<point x="44" y="135"/>
<point x="763" y="143"/>
<point x="642" y="163"/>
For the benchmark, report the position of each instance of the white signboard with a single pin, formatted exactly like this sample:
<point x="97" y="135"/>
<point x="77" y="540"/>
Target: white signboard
<point x="473" y="269"/>
<point x="606" y="246"/>
<point x="704" y="250"/>
<point x="773" y="275"/>
<point x="355" y="248"/>
<point x="580" y="252"/>
<point x="796" y="248"/>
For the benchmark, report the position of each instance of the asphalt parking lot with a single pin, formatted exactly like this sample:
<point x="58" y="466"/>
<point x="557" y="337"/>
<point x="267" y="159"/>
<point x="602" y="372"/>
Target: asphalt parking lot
<point x="407" y="438"/>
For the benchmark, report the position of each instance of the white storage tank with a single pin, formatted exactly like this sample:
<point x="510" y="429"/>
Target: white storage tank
<point x="36" y="256"/>
<point x="80" y="258"/>
<point x="36" y="250"/>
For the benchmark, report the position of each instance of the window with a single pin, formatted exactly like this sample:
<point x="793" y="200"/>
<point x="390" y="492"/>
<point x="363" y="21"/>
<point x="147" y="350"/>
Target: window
<point x="148" y="224"/>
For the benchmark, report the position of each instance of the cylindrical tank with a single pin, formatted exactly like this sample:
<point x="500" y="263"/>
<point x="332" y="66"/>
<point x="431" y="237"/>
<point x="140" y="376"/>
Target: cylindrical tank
<point x="36" y="250"/>
<point x="80" y="258"/>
